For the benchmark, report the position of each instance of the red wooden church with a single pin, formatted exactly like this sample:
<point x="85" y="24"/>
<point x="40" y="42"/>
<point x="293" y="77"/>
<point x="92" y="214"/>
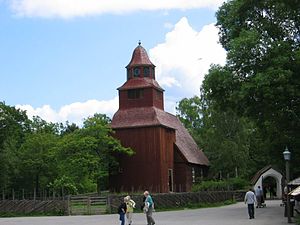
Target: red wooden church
<point x="166" y="156"/>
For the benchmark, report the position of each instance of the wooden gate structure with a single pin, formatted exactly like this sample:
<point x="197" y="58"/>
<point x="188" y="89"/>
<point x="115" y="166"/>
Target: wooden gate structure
<point x="87" y="205"/>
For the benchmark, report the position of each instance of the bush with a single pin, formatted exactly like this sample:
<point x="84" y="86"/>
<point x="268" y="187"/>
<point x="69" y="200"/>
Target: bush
<point x="237" y="183"/>
<point x="210" y="186"/>
<point x="221" y="185"/>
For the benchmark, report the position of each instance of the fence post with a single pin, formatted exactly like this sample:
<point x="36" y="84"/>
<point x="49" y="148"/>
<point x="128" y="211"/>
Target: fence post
<point x="89" y="205"/>
<point x="108" y="203"/>
<point x="69" y="205"/>
<point x="3" y="194"/>
<point x="13" y="194"/>
<point x="62" y="193"/>
<point x="34" y="194"/>
<point x="23" y="194"/>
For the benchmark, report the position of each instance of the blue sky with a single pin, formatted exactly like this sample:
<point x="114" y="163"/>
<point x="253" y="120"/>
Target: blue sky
<point x="63" y="60"/>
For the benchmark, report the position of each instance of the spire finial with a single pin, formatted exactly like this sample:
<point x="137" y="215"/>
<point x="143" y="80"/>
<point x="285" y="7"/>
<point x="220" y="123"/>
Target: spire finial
<point x="139" y="42"/>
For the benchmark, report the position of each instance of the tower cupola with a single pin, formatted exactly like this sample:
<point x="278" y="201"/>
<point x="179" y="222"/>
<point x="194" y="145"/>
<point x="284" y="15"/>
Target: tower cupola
<point x="140" y="89"/>
<point x="140" y="65"/>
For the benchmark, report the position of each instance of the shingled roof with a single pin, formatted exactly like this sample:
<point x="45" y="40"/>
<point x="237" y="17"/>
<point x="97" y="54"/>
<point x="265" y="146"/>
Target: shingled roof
<point x="152" y="116"/>
<point x="140" y="83"/>
<point x="139" y="57"/>
<point x="259" y="173"/>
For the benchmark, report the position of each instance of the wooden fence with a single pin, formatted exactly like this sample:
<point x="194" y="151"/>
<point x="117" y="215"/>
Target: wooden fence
<point x="179" y="199"/>
<point x="29" y="206"/>
<point x="95" y="204"/>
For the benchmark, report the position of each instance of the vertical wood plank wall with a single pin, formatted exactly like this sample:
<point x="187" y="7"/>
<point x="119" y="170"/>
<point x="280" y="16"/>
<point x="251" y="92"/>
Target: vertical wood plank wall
<point x="148" y="168"/>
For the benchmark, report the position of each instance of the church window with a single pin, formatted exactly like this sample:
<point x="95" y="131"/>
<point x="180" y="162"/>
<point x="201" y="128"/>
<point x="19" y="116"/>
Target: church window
<point x="136" y="72"/>
<point x="153" y="73"/>
<point x="158" y="95"/>
<point x="193" y="175"/>
<point x="146" y="71"/>
<point x="170" y="183"/>
<point x="135" y="93"/>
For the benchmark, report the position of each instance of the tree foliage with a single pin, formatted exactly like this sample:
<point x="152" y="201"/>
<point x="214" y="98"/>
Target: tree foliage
<point x="257" y="92"/>
<point x="36" y="154"/>
<point x="14" y="125"/>
<point x="263" y="43"/>
<point x="86" y="155"/>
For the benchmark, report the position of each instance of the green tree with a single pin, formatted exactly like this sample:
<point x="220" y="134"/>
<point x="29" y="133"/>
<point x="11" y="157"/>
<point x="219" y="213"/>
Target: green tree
<point x="14" y="124"/>
<point x="261" y="79"/>
<point x="86" y="155"/>
<point x="68" y="128"/>
<point x="226" y="140"/>
<point x="190" y="113"/>
<point x="223" y="136"/>
<point x="36" y="156"/>
<point x="42" y="155"/>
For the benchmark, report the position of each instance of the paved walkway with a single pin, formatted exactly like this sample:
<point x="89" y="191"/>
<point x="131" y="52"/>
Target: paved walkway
<point x="228" y="215"/>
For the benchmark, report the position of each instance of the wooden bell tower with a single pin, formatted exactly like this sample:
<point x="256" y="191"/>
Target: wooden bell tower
<point x="141" y="88"/>
<point x="166" y="156"/>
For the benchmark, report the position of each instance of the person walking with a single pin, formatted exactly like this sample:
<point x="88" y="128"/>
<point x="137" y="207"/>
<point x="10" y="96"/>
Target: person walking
<point x="148" y="208"/>
<point x="259" y="196"/>
<point x="250" y="200"/>
<point x="122" y="210"/>
<point x="265" y="192"/>
<point x="130" y="206"/>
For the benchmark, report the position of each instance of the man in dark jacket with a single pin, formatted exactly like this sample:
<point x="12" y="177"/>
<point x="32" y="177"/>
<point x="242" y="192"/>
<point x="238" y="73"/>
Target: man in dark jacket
<point x="122" y="210"/>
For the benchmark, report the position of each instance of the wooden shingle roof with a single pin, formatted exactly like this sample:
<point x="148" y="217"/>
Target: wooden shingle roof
<point x="259" y="173"/>
<point x="140" y="83"/>
<point x="152" y="116"/>
<point x="139" y="57"/>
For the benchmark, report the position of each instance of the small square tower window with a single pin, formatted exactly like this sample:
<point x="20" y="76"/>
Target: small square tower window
<point x="135" y="93"/>
<point x="153" y="73"/>
<point x="136" y="72"/>
<point x="146" y="71"/>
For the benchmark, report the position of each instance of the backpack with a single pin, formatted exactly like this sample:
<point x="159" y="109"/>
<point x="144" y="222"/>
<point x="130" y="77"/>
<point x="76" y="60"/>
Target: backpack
<point x="121" y="206"/>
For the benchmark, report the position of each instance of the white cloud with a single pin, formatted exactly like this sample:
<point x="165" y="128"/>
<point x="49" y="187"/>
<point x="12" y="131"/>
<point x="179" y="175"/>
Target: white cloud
<point x="181" y="63"/>
<point x="168" y="25"/>
<point x="73" y="8"/>
<point x="186" y="55"/>
<point x="74" y="112"/>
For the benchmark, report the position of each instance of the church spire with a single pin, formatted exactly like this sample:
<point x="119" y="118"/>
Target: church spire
<point x="139" y="57"/>
<point x="140" y="89"/>
<point x="140" y="65"/>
